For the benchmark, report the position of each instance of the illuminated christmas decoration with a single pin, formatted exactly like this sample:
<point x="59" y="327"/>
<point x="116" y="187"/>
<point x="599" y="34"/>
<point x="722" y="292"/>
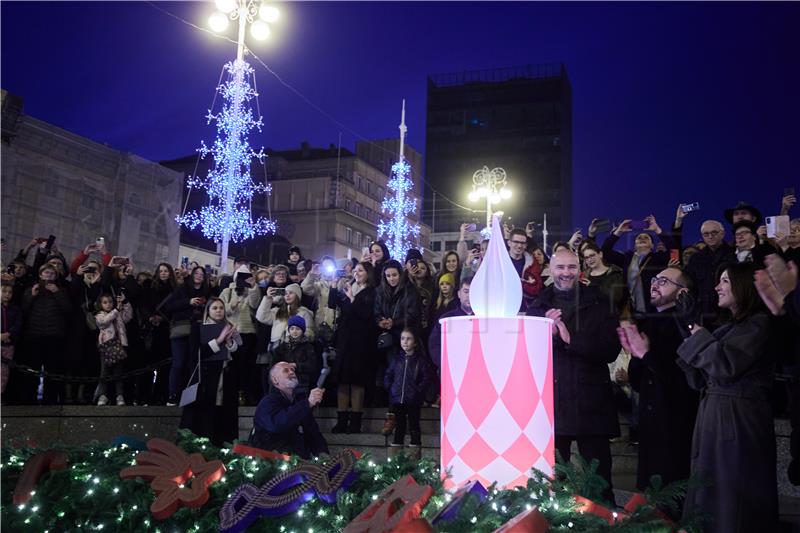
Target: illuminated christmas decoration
<point x="398" y="232"/>
<point x="229" y="187"/>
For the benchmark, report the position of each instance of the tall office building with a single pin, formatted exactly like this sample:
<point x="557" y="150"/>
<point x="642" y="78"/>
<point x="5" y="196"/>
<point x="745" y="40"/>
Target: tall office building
<point x="516" y="118"/>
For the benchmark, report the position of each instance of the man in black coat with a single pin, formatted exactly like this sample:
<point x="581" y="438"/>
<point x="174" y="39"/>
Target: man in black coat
<point x="702" y="269"/>
<point x="585" y="341"/>
<point x="667" y="405"/>
<point x="284" y="423"/>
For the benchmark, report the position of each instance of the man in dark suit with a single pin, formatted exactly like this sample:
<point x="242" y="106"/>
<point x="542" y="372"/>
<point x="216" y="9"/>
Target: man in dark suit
<point x="284" y="423"/>
<point x="667" y="405"/>
<point x="585" y="341"/>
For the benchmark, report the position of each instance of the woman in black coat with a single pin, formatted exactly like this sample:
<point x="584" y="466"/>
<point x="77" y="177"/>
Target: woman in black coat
<point x="356" y="338"/>
<point x="84" y="290"/>
<point x="733" y="445"/>
<point x="185" y="307"/>
<point x="396" y="306"/>
<point x="214" y="413"/>
<point x="156" y="322"/>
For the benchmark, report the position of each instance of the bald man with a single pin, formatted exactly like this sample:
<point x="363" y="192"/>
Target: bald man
<point x="704" y="265"/>
<point x="585" y="341"/>
<point x="285" y="423"/>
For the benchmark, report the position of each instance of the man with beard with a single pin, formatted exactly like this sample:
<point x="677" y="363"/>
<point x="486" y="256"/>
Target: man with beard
<point x="284" y="423"/>
<point x="584" y="343"/>
<point x="667" y="405"/>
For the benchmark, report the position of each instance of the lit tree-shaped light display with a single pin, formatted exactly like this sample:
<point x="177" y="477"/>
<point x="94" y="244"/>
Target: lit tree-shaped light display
<point x="230" y="189"/>
<point x="397" y="231"/>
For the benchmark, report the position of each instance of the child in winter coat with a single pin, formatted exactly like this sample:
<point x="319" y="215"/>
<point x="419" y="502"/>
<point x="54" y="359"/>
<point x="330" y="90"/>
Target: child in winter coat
<point x="298" y="350"/>
<point x="11" y="327"/>
<point x="407" y="380"/>
<point x="112" y="342"/>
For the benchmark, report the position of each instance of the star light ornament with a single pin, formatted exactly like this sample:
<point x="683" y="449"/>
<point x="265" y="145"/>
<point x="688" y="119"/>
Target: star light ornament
<point x="398" y="232"/>
<point x="228" y="184"/>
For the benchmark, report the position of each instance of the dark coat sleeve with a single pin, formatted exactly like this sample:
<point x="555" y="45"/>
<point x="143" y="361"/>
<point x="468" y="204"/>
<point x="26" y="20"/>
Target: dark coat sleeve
<point x="609" y="254"/>
<point x="435" y="344"/>
<point x="275" y="417"/>
<point x="729" y="357"/>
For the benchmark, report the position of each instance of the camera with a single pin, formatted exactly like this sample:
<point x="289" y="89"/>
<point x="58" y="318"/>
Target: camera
<point x="280" y="292"/>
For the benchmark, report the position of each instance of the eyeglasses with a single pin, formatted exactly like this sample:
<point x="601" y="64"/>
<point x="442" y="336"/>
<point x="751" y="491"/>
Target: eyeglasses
<point x="710" y="233"/>
<point x="743" y="233"/>
<point x="661" y="281"/>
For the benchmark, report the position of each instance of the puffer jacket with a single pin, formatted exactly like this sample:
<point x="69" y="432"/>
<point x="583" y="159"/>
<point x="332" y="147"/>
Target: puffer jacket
<point x="408" y="377"/>
<point x="112" y="324"/>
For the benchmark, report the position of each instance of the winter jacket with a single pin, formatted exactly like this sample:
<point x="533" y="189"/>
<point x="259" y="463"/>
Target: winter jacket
<point x="733" y="445"/>
<point x="356" y="337"/>
<point x="112" y="324"/>
<point x="408" y="377"/>
<point x="11" y="323"/>
<point x="287" y="426"/>
<point x="269" y="316"/>
<point x="240" y="314"/>
<point x="584" y="402"/>
<point x="178" y="305"/>
<point x="402" y="306"/>
<point x="613" y="286"/>
<point x="319" y="289"/>
<point x="46" y="313"/>
<point x="302" y="353"/>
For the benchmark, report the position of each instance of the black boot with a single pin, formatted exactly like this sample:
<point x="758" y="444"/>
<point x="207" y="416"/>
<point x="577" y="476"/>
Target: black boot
<point x="341" y="422"/>
<point x="355" y="422"/>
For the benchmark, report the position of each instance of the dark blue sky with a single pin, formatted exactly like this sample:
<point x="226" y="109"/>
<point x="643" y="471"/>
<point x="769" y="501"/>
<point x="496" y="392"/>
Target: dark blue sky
<point x="671" y="102"/>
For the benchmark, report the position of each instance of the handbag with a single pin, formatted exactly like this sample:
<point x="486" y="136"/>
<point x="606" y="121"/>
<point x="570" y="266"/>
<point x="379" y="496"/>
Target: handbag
<point x="189" y="394"/>
<point x="112" y="351"/>
<point x="385" y="340"/>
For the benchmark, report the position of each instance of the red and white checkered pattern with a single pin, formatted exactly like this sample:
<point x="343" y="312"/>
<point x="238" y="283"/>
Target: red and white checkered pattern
<point x="497" y="399"/>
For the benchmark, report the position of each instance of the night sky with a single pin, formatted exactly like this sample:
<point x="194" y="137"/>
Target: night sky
<point x="671" y="102"/>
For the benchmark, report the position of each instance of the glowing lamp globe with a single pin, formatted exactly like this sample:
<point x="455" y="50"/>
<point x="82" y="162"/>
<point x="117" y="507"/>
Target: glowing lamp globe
<point x="226" y="6"/>
<point x="218" y="21"/>
<point x="505" y="193"/>
<point x="259" y="30"/>
<point x="268" y="13"/>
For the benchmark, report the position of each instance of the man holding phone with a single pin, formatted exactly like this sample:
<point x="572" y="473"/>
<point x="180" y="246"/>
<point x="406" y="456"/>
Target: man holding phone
<point x="641" y="264"/>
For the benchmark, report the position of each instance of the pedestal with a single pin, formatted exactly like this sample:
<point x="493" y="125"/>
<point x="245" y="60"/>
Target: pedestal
<point x="497" y="399"/>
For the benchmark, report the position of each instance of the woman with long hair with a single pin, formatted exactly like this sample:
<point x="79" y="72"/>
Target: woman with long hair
<point x="733" y="445"/>
<point x="354" y="366"/>
<point x="157" y="319"/>
<point x="214" y="413"/>
<point x="185" y="308"/>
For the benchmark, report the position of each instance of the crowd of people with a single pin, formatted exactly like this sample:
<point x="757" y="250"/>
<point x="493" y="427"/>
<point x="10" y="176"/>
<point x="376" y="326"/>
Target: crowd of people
<point x="690" y="335"/>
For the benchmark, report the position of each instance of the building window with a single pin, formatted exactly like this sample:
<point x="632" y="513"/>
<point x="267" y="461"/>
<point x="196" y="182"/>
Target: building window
<point x="436" y="246"/>
<point x="358" y="238"/>
<point x="358" y="209"/>
<point x="347" y="205"/>
<point x="348" y="235"/>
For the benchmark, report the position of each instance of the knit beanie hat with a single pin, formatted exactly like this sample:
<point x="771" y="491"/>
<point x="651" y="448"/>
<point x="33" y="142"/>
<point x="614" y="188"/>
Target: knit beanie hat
<point x="295" y="288"/>
<point x="448" y="277"/>
<point x="298" y="321"/>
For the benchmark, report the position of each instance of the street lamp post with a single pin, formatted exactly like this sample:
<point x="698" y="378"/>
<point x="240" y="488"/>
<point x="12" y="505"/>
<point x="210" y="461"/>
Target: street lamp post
<point x="491" y="185"/>
<point x="258" y="16"/>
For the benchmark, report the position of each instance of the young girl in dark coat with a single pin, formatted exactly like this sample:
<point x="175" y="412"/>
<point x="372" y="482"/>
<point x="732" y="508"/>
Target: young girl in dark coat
<point x="407" y="380"/>
<point x="214" y="414"/>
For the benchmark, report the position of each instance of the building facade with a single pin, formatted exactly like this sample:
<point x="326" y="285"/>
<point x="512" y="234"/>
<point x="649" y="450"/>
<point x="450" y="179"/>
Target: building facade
<point x="327" y="201"/>
<point x="57" y="183"/>
<point x="519" y="119"/>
